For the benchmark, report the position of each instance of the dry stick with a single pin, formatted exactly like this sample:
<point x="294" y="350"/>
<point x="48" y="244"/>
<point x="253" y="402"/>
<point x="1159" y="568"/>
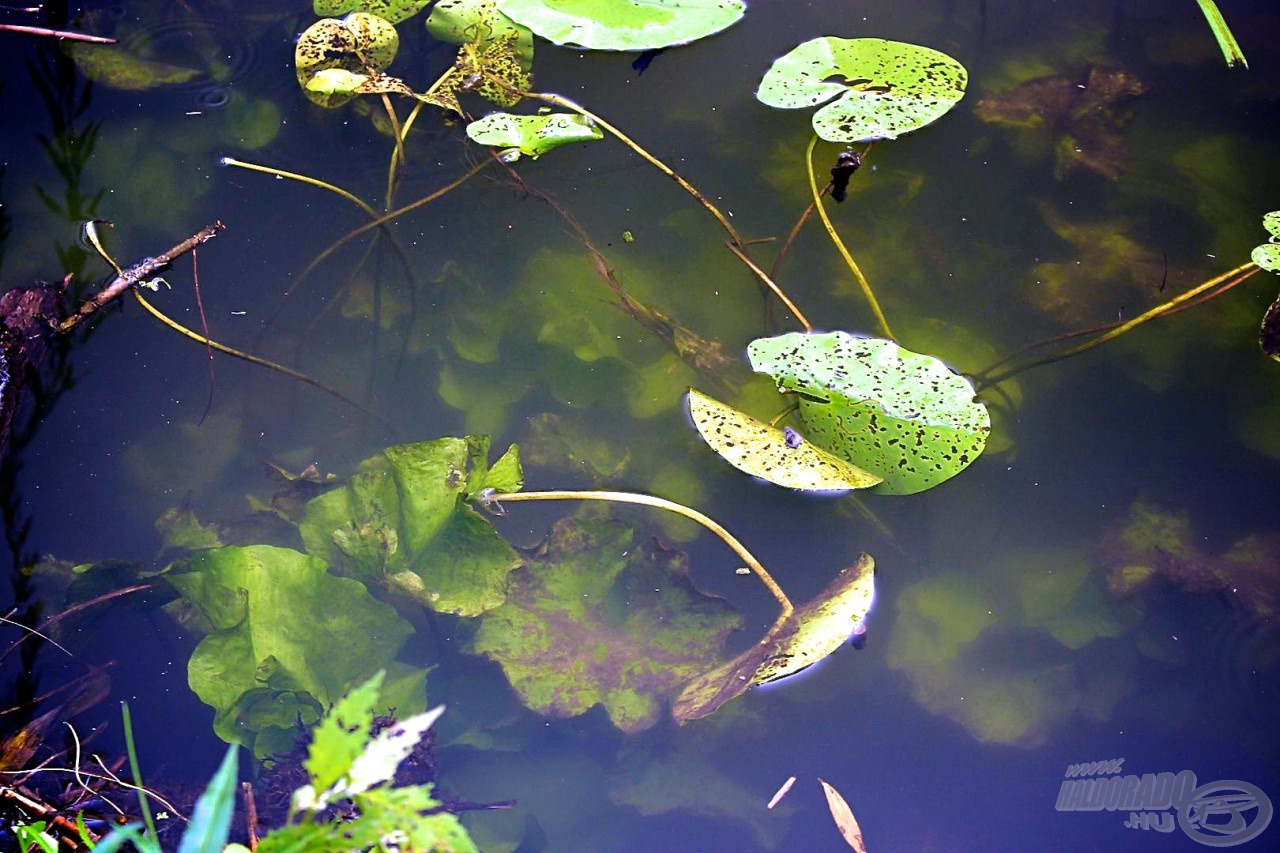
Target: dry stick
<point x="126" y="279"/>
<point x="659" y="503"/>
<point x="261" y="362"/>
<point x="1240" y="273"/>
<point x="844" y="252"/>
<point x="58" y="34"/>
<point x="251" y="813"/>
<point x="736" y="238"/>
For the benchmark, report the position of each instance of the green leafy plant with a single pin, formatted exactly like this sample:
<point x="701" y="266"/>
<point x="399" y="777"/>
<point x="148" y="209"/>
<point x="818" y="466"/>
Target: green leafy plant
<point x="531" y="135"/>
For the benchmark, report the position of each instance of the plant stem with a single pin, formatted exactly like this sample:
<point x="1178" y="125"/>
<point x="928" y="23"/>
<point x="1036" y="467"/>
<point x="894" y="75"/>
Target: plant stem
<point x="306" y="179"/>
<point x="844" y="252"/>
<point x="58" y="34"/>
<point x="769" y="283"/>
<point x="659" y="503"/>
<point x="397" y="154"/>
<point x="261" y="362"/>
<point x="738" y="244"/>
<point x="1224" y="281"/>
<point x="137" y="773"/>
<point x="1231" y="51"/>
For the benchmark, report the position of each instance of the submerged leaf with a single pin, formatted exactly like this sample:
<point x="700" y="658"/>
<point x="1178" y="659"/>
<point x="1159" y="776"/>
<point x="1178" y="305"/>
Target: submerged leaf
<point x="360" y="43"/>
<point x="900" y="415"/>
<point x="288" y="638"/>
<point x="533" y="135"/>
<point x="112" y="66"/>
<point x="843" y="816"/>
<point x="771" y="453"/>
<point x="624" y="24"/>
<point x="888" y="88"/>
<point x="403" y="521"/>
<point x="593" y="618"/>
<point x="808" y="635"/>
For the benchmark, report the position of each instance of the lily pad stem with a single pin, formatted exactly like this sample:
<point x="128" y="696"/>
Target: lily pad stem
<point x="844" y="252"/>
<point x="306" y="179"/>
<point x="659" y="503"/>
<point x="737" y="244"/>
<point x="1240" y="273"/>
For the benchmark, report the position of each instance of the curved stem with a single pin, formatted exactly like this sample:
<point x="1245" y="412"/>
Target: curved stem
<point x="1240" y="273"/>
<point x="659" y="503"/>
<point x="306" y="179"/>
<point x="844" y="252"/>
<point x="769" y="283"/>
<point x="380" y="221"/>
<point x="397" y="153"/>
<point x="253" y="359"/>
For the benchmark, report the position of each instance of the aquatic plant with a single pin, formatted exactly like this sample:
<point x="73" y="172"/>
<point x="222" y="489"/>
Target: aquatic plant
<point x="888" y="88"/>
<point x="531" y="135"/>
<point x="623" y="24"/>
<point x="1231" y="51"/>
<point x="1267" y="257"/>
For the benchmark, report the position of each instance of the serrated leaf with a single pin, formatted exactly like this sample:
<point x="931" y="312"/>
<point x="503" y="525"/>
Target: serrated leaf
<point x="888" y="88"/>
<point x="341" y="736"/>
<point x="379" y="760"/>
<point x="770" y="453"/>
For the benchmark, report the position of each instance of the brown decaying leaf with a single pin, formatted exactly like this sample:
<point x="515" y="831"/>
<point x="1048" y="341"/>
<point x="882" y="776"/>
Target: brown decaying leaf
<point x="843" y="816"/>
<point x="1269" y="334"/>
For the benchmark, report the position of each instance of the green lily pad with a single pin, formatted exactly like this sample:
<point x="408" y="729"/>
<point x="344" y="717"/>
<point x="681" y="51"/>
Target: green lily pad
<point x="770" y="453"/>
<point x="360" y="43"/>
<point x="393" y="11"/>
<point x="889" y="87"/>
<point x="403" y="522"/>
<point x="479" y="23"/>
<point x="593" y="618"/>
<point x="1267" y="255"/>
<point x="288" y="638"/>
<point x="623" y="24"/>
<point x="533" y="135"/>
<point x="900" y="415"/>
<point x="339" y="82"/>
<point x="809" y="634"/>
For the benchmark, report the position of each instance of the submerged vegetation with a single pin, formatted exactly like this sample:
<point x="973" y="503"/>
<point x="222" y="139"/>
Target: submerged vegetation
<point x="322" y="619"/>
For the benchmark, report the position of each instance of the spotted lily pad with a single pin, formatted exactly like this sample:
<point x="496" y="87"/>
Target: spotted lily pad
<point x="593" y="618"/>
<point x="360" y="43"/>
<point x="1267" y="256"/>
<point x="808" y="635"/>
<point x="338" y="82"/>
<point x="781" y="456"/>
<point x="533" y="135"/>
<point x="900" y="415"/>
<point x="888" y="88"/>
<point x="403" y="522"/>
<point x="393" y="11"/>
<point x="623" y="24"/>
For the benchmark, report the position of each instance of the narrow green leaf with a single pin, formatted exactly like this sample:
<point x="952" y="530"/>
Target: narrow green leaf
<point x="211" y="821"/>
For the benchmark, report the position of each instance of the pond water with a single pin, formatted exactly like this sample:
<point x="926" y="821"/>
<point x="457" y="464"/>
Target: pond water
<point x="1102" y="583"/>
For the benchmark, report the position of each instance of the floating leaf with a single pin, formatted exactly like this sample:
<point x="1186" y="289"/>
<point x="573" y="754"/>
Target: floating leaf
<point x="843" y="816"/>
<point x="771" y="453"/>
<point x="533" y="135"/>
<point x="900" y="415"/>
<point x="339" y="82"/>
<point x="889" y="87"/>
<point x="359" y="43"/>
<point x="623" y="24"/>
<point x="807" y="636"/>
<point x="1267" y="255"/>
<point x="492" y="45"/>
<point x="478" y="22"/>
<point x="402" y="521"/>
<point x="393" y="11"/>
<point x="593" y="618"/>
<point x="288" y="638"/>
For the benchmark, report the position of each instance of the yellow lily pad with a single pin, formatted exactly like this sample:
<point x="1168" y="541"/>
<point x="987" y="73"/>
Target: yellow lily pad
<point x="780" y="456"/>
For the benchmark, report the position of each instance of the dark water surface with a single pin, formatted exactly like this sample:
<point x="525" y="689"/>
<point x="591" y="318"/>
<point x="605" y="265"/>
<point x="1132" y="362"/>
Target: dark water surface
<point x="998" y="653"/>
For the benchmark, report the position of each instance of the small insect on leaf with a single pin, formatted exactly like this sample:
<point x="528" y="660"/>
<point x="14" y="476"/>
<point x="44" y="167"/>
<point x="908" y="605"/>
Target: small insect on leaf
<point x="843" y="816"/>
